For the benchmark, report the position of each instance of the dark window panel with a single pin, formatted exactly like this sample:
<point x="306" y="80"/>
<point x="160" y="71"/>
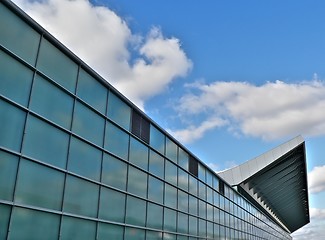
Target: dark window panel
<point x="193" y="166"/>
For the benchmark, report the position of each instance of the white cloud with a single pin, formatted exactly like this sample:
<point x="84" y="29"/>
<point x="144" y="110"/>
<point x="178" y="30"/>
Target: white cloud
<point x="315" y="229"/>
<point x="270" y="111"/>
<point x="103" y="40"/>
<point x="316" y="180"/>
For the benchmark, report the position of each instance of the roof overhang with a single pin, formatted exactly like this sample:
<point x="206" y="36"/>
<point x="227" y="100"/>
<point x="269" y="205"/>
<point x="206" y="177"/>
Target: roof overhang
<point x="277" y="182"/>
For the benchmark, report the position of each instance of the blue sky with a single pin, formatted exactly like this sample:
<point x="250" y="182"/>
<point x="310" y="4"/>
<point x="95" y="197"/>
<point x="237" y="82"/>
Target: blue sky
<point x="229" y="79"/>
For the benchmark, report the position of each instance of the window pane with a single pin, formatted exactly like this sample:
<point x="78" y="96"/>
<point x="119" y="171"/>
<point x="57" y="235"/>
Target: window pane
<point x="192" y="225"/>
<point x="57" y="66"/>
<point x="157" y="139"/>
<point x="156" y="164"/>
<point x="171" y="173"/>
<point x="202" y="173"/>
<point x="156" y="190"/>
<point x="170" y="196"/>
<point x="39" y="185"/>
<point x="135" y="211"/>
<point x="12" y="27"/>
<point x="8" y="171"/>
<point x="183" y="159"/>
<point x="84" y="159"/>
<point x="110" y="231"/>
<point x="88" y="124"/>
<point x="209" y="212"/>
<point x="193" y="202"/>
<point x="154" y="216"/>
<point x="12" y="122"/>
<point x="182" y="201"/>
<point x="151" y="235"/>
<point x="138" y="154"/>
<point x="182" y="179"/>
<point x="119" y="111"/>
<point x="192" y="185"/>
<point x="114" y="172"/>
<point x="80" y="197"/>
<point x="45" y="142"/>
<point x="112" y="205"/>
<point x="169" y="220"/>
<point x="16" y="79"/>
<point x="171" y="150"/>
<point x="91" y="91"/>
<point x="202" y="209"/>
<point x="4" y="220"/>
<point x="75" y="228"/>
<point x="116" y="141"/>
<point x="182" y="223"/>
<point x="137" y="182"/>
<point x="202" y="191"/>
<point x="202" y="228"/>
<point x="134" y="234"/>
<point x="51" y="102"/>
<point x="33" y="225"/>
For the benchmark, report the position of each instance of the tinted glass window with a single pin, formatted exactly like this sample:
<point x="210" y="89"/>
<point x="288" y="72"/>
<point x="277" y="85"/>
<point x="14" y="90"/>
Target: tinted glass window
<point x="182" y="179"/>
<point x="13" y="27"/>
<point x="135" y="211"/>
<point x="16" y="79"/>
<point x="202" y="228"/>
<point x="4" y="220"/>
<point x="45" y="142"/>
<point x="57" y="65"/>
<point x="110" y="231"/>
<point x="137" y="182"/>
<point x="39" y="185"/>
<point x="119" y="111"/>
<point x="138" y="154"/>
<point x="51" y="102"/>
<point x="183" y="159"/>
<point x="193" y="205"/>
<point x="134" y="234"/>
<point x="33" y="225"/>
<point x="91" y="91"/>
<point x="170" y="196"/>
<point x="75" y="228"/>
<point x="12" y="122"/>
<point x="156" y="190"/>
<point x="171" y="150"/>
<point x="182" y="201"/>
<point x="84" y="159"/>
<point x="114" y="172"/>
<point x="116" y="141"/>
<point x="171" y="173"/>
<point x="157" y="139"/>
<point x="154" y="216"/>
<point x="201" y="172"/>
<point x="88" y="124"/>
<point x="170" y="220"/>
<point x="80" y="197"/>
<point x="192" y="225"/>
<point x="8" y="171"/>
<point x="202" y="209"/>
<point x="182" y="222"/>
<point x="112" y="205"/>
<point x="156" y="164"/>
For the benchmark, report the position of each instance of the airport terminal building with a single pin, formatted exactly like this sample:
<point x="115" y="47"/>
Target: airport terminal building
<point x="79" y="161"/>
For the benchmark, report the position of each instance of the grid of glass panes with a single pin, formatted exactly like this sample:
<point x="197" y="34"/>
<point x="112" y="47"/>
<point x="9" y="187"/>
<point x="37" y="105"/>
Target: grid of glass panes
<point x="68" y="160"/>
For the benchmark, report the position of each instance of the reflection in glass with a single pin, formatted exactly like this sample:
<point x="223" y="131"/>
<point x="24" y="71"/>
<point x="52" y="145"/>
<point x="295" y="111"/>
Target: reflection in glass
<point x="171" y="150"/>
<point x="119" y="111"/>
<point x="8" y="170"/>
<point x="85" y="229"/>
<point x="114" y="172"/>
<point x="138" y="154"/>
<point x="137" y="182"/>
<point x="157" y="139"/>
<point x="156" y="164"/>
<point x="116" y="141"/>
<point x="112" y="205"/>
<point x="154" y="216"/>
<point x="110" y="231"/>
<point x="135" y="211"/>
<point x="155" y="190"/>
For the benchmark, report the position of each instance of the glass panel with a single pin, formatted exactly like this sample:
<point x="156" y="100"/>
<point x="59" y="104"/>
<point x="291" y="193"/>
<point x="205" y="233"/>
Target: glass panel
<point x="75" y="228"/>
<point x="156" y="190"/>
<point x="134" y="234"/>
<point x="45" y="142"/>
<point x="119" y="111"/>
<point x="210" y="195"/>
<point x="138" y="154"/>
<point x="114" y="172"/>
<point x="33" y="225"/>
<point x="88" y="124"/>
<point x="169" y="236"/>
<point x="112" y="205"/>
<point x="216" y="198"/>
<point x="12" y="122"/>
<point x="157" y="139"/>
<point x="116" y="141"/>
<point x="8" y="171"/>
<point x="171" y="150"/>
<point x="209" y="212"/>
<point x="16" y="79"/>
<point x="202" y="228"/>
<point x="171" y="173"/>
<point x="202" y="191"/>
<point x="216" y="215"/>
<point x="137" y="182"/>
<point x="170" y="196"/>
<point x="110" y="231"/>
<point x="135" y="211"/>
<point x="4" y="220"/>
<point x="192" y="185"/>
<point x="193" y="202"/>
<point x="154" y="216"/>
<point x="202" y="173"/>
<point x="57" y="65"/>
<point x="182" y="223"/>
<point x="192" y="225"/>
<point x="13" y="28"/>
<point x="169" y="220"/>
<point x="182" y="179"/>
<point x="202" y="209"/>
<point x="216" y="231"/>
<point x="84" y="159"/>
<point x="182" y="201"/>
<point x="151" y="235"/>
<point x="156" y="164"/>
<point x="209" y="177"/>
<point x="215" y="183"/>
<point x="183" y="159"/>
<point x="91" y="91"/>
<point x="210" y="229"/>
<point x="39" y="185"/>
<point x="51" y="102"/>
<point x="80" y="197"/>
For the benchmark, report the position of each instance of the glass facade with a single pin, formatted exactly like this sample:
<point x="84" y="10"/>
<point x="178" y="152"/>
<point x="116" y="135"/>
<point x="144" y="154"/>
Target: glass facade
<point x="73" y="166"/>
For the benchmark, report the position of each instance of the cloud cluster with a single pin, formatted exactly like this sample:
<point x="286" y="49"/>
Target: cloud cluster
<point x="316" y="180"/>
<point x="270" y="111"/>
<point x="104" y="41"/>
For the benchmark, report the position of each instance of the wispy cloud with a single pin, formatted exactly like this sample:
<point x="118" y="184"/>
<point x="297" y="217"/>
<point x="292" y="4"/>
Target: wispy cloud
<point x="316" y="180"/>
<point x="270" y="111"/>
<point x="104" y="40"/>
